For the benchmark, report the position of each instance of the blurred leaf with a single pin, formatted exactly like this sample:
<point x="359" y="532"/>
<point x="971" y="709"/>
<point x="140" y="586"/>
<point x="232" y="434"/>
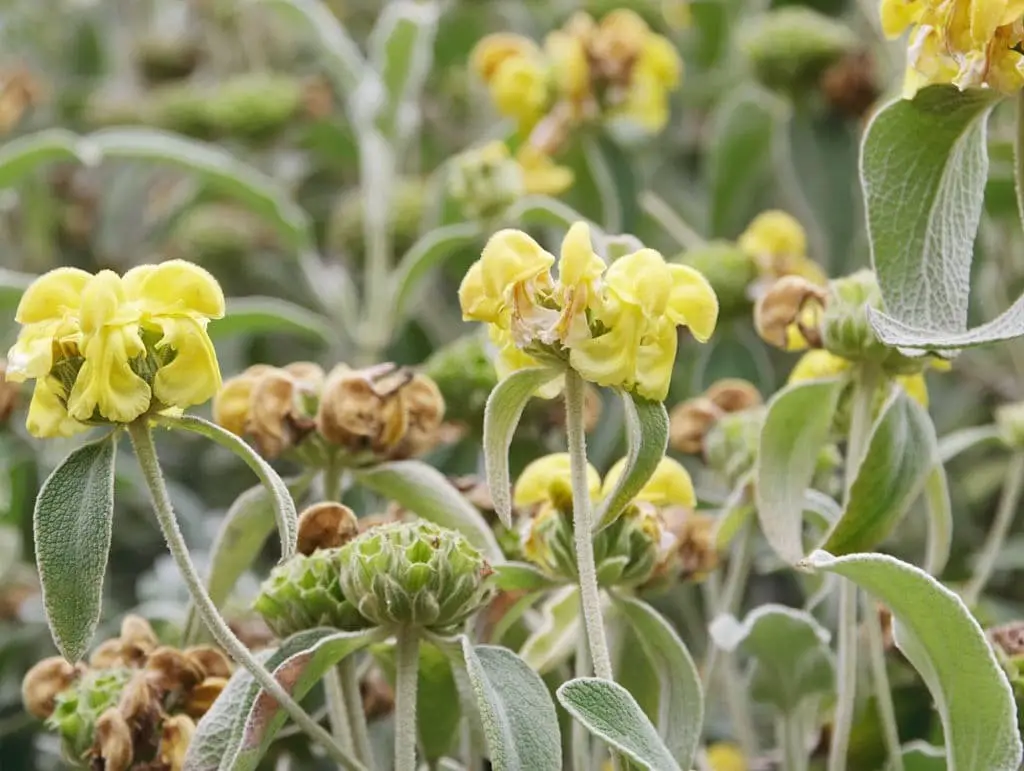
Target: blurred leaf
<point x="284" y="506"/>
<point x="796" y="427"/>
<point x="681" y="708"/>
<point x="924" y="166"/>
<point x="1006" y="326"/>
<point x="939" y="636"/>
<point x="22" y="156"/>
<point x="518" y="715"/>
<point x="791" y="658"/>
<point x="646" y="442"/>
<point x="615" y="179"/>
<point x="554" y="639"/>
<point x="237" y="731"/>
<point x="425" y="255"/>
<point x="522" y="576"/>
<point x="961" y="440"/>
<point x="427" y="492"/>
<point x="611" y="714"/>
<point x="940" y="520"/>
<point x="550" y="212"/>
<point x="263" y="315"/>
<point x="12" y="287"/>
<point x="900" y="455"/>
<point x="504" y="408"/>
<point x="73" y="524"/>
<point x="735" y="512"/>
<point x="921" y="756"/>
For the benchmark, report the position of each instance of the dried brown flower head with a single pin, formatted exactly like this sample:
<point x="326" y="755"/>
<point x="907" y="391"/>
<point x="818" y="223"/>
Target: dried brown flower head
<point x="210" y="660"/>
<point x="172" y="673"/>
<point x="326" y="525"/>
<point x="790" y="306"/>
<point x="43" y="682"/>
<point x="9" y="393"/>
<point x="689" y="422"/>
<point x="113" y="743"/>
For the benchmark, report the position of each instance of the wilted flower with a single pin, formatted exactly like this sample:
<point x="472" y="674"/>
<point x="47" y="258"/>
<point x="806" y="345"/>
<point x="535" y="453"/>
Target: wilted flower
<point x="106" y="348"/>
<point x="691" y="420"/>
<point x="9" y="394"/>
<point x="787" y="314"/>
<point x="326" y="525"/>
<point x="43" y="682"/>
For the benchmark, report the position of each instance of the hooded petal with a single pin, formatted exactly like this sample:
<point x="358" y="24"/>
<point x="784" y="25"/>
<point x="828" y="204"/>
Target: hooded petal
<point x="610" y="359"/>
<point x="106" y="382"/>
<point x="52" y="295"/>
<point x="31" y="356"/>
<point x="692" y="302"/>
<point x="549" y="474"/>
<point x="669" y="485"/>
<point x="641" y="279"/>
<point x="577" y="262"/>
<point x="193" y="376"/>
<point x="511" y="257"/>
<point x="476" y="304"/>
<point x="175" y="287"/>
<point x="47" y="415"/>
<point x="104" y="303"/>
<point x="656" y="359"/>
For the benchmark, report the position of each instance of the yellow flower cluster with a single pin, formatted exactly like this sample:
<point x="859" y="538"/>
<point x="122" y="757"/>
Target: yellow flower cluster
<point x="613" y="324"/>
<point x="964" y="42"/>
<point x="109" y="348"/>
<point x="617" y="68"/>
<point x="777" y="244"/>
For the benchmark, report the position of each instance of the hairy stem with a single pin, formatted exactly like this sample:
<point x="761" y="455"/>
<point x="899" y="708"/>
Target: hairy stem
<point x="1009" y="502"/>
<point x="337" y="710"/>
<point x="407" y="666"/>
<point x="581" y="760"/>
<point x="145" y="451"/>
<point x="1018" y="152"/>
<point x="883" y="692"/>
<point x="590" y="593"/>
<point x="789" y="731"/>
<point x="349" y="672"/>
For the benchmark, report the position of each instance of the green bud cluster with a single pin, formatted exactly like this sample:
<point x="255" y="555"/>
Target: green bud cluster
<point x="305" y="593"/>
<point x="730" y="445"/>
<point x="414" y="574"/>
<point x="484" y="183"/>
<point x="77" y="709"/>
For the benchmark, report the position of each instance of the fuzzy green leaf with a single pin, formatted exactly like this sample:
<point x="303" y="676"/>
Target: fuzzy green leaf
<point x="21" y="156"/>
<point x="962" y="440"/>
<point x="1006" y="326"/>
<point x="646" y="441"/>
<point x="73" y="524"/>
<point x="518" y="716"/>
<point x="901" y="453"/>
<point x="401" y="51"/>
<point x="427" y="492"/>
<point x="611" y="714"/>
<point x="940" y="520"/>
<point x="263" y="315"/>
<point x="554" y="639"/>
<point x="923" y="166"/>
<point x="921" y="756"/>
<point x="427" y="253"/>
<point x="939" y="636"/>
<point x="795" y="429"/>
<point x="504" y="408"/>
<point x="522" y="576"/>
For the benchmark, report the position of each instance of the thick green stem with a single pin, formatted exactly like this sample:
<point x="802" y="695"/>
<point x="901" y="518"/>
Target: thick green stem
<point x="337" y="710"/>
<point x="349" y="672"/>
<point x="789" y="732"/>
<point x="883" y="692"/>
<point x="590" y="593"/>
<point x="581" y="760"/>
<point x="407" y="664"/>
<point x="145" y="451"/>
<point x="1009" y="502"/>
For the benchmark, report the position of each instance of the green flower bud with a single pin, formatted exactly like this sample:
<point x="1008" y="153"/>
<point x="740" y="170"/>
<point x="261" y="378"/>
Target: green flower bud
<point x="183" y="108"/>
<point x="730" y="271"/>
<point x="77" y="709"/>
<point x="219" y="233"/>
<point x="255" y="106"/>
<point x="160" y="58"/>
<point x="730" y="444"/>
<point x="414" y="573"/>
<point x="1010" y="422"/>
<point x="464" y="373"/>
<point x="408" y="205"/>
<point x="305" y="593"/>
<point x="485" y="181"/>
<point x="790" y="47"/>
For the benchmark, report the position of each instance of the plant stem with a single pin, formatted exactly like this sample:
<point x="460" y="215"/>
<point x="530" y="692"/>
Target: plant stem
<point x="1018" y="155"/>
<point x="668" y="218"/>
<point x="1009" y="501"/>
<point x="349" y="672"/>
<point x="581" y="760"/>
<point x="789" y="730"/>
<point x="376" y="182"/>
<point x="337" y="709"/>
<point x="883" y="693"/>
<point x="590" y="593"/>
<point x="145" y="451"/>
<point x="732" y="593"/>
<point x="407" y="664"/>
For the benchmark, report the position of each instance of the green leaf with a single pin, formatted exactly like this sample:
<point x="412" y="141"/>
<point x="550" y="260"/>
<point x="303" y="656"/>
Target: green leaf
<point x="259" y="192"/>
<point x="518" y="715"/>
<point x="610" y="713"/>
<point x="901" y="453"/>
<point x="22" y="156"/>
<point x="522" y="576"/>
<point x="554" y="639"/>
<point x="962" y="440"/>
<point x="284" y="506"/>
<point x="615" y="179"/>
<point x="921" y="756"/>
<point x="427" y="253"/>
<point x="237" y="731"/>
<point x="263" y="315"/>
<point x="245" y="528"/>
<point x="681" y="709"/>
<point x="539" y="210"/>
<point x="735" y="512"/>
<point x="427" y="492"/>
<point x="923" y="167"/>
<point x="504" y="408"/>
<point x="940" y="520"/>
<point x="791" y="658"/>
<point x="743" y="127"/>
<point x="12" y="287"/>
<point x="1006" y="326"/>
<point x="646" y="442"/>
<point x="72" y="524"/>
<point x="796" y="427"/>
<point x="939" y="636"/>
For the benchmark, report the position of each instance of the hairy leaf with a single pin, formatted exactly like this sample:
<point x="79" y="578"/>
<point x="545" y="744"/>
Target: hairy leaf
<point x="940" y="520"/>
<point x="262" y="315"/>
<point x="554" y="640"/>
<point x="522" y="576"/>
<point x="430" y="251"/>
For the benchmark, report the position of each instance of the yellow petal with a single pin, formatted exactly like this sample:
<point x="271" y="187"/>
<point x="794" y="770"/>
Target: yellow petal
<point x="985" y="17"/>
<point x="193" y="376"/>
<point x="476" y="304"/>
<point x="175" y="287"/>
<point x="656" y="359"/>
<point x="103" y="303"/>
<point x="511" y="257"/>
<point x="577" y="262"/>
<point x="915" y="387"/>
<point x="47" y="415"/>
<point x="495" y="49"/>
<point x="52" y="295"/>
<point x="669" y="485"/>
<point x="726" y="757"/>
<point x="541" y="175"/>
<point x="660" y="59"/>
<point x="692" y="302"/>
<point x="520" y="89"/>
<point x="817" y="364"/>
<point x="31" y="356"/>
<point x="568" y="58"/>
<point x="774" y="233"/>
<point x="611" y="359"/>
<point x="641" y="279"/>
<point x="106" y="382"/>
<point x="897" y="15"/>
<point x="539" y="478"/>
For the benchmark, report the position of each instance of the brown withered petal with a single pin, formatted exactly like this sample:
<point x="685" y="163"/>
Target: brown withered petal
<point x="424" y="410"/>
<point x="309" y="374"/>
<point x="9" y="393"/>
<point x="170" y="671"/>
<point x="1009" y="638"/>
<point x="689" y="423"/>
<point x="695" y="541"/>
<point x="113" y="741"/>
<point x="203" y="695"/>
<point x="107" y="655"/>
<point x="326" y="525"/>
<point x="359" y="413"/>
<point x="850" y="85"/>
<point x="43" y="682"/>
<point x="733" y="394"/>
<point x="232" y="402"/>
<point x="137" y="639"/>
<point x="271" y="405"/>
<point x="176" y="735"/>
<point x="139" y="702"/>
<point x="378" y="696"/>
<point x="780" y="306"/>
<point x="210" y="660"/>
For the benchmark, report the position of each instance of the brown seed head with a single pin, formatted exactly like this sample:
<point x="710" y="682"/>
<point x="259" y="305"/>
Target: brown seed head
<point x="107" y="655"/>
<point x="424" y="411"/>
<point x="203" y="695"/>
<point x="113" y="743"/>
<point x="362" y="410"/>
<point x="1009" y="638"/>
<point x="326" y="525"/>
<point x="733" y="394"/>
<point x="43" y="682"/>
<point x="689" y="423"/>
<point x="785" y="303"/>
<point x="695" y="541"/>
<point x="210" y="660"/>
<point x="170" y="671"/>
<point x="232" y="403"/>
<point x="176" y="735"/>
<point x="273" y="409"/>
<point x="850" y="85"/>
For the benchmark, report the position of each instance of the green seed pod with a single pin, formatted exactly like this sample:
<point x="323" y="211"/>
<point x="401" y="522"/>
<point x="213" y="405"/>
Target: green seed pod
<point x="305" y="593"/>
<point x="414" y="573"/>
<point x="215" y="233"/>
<point x="465" y="375"/>
<point x="79" y="707"/>
<point x="161" y="58"/>
<point x="409" y="203"/>
<point x="790" y="47"/>
<point x="182" y="108"/>
<point x="255" y="106"/>
<point x="730" y="271"/>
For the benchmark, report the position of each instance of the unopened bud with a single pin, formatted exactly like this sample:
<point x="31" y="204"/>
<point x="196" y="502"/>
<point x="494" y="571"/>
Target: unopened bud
<point x="1010" y="422"/>
<point x="201" y="698"/>
<point x="78" y="708"/>
<point x="176" y="735"/>
<point x="210" y="660"/>
<point x="43" y="682"/>
<point x="361" y="410"/>
<point x="689" y="423"/>
<point x="113" y="741"/>
<point x="786" y="315"/>
<point x="326" y="525"/>
<point x="485" y="180"/>
<point x="730" y="271"/>
<point x="170" y="671"/>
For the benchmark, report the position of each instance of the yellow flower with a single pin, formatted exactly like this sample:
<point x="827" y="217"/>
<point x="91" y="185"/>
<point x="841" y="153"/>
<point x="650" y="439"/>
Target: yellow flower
<point x="819" y="363"/>
<point x="516" y="74"/>
<point x="568" y="56"/>
<point x="669" y="485"/>
<point x="541" y="175"/>
<point x="726" y="757"/>
<point x="579" y="274"/>
<point x="548" y="480"/>
<point x="915" y="387"/>
<point x="107" y="348"/>
<point x="778" y="244"/>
